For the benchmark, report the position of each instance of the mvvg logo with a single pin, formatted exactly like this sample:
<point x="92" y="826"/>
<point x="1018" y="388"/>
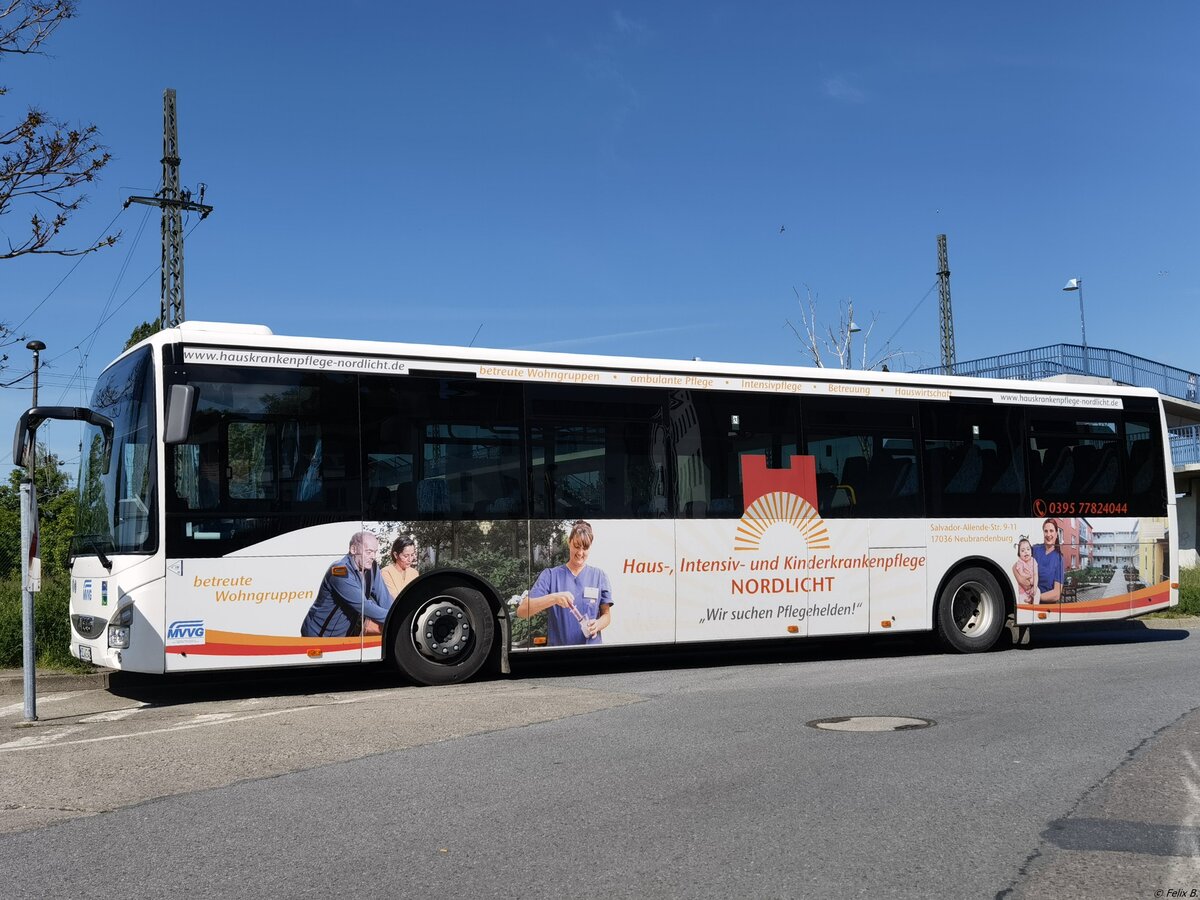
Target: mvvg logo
<point x="185" y="631"/>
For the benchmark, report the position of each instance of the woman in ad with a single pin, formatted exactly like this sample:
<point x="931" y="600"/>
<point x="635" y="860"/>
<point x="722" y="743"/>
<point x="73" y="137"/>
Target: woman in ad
<point x="400" y="571"/>
<point x="1049" y="559"/>
<point x="576" y="597"/>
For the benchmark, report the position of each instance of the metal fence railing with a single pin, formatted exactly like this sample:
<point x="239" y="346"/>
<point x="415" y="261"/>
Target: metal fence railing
<point x="1074" y="359"/>
<point x="1185" y="445"/>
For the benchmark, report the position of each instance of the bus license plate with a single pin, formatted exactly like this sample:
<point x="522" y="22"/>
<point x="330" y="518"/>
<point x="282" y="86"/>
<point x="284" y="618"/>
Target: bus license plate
<point x="85" y="653"/>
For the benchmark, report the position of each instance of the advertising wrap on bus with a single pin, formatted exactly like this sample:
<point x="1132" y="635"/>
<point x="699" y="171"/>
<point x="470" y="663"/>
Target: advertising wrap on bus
<point x="779" y="570"/>
<point x="252" y="500"/>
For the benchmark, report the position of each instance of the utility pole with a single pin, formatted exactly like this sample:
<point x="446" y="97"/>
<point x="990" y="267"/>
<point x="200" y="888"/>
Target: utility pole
<point x="947" y="316"/>
<point x="172" y="201"/>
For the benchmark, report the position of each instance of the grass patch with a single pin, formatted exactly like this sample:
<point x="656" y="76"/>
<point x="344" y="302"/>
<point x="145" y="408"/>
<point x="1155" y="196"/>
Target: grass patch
<point x="1189" y="592"/>
<point x="1189" y="596"/>
<point x="51" y="624"/>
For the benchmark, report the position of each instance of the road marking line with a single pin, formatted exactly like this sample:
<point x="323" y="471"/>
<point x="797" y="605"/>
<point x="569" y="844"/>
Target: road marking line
<point x="115" y="715"/>
<point x="46" y="738"/>
<point x="211" y="718"/>
<point x="48" y="698"/>
<point x="201" y="721"/>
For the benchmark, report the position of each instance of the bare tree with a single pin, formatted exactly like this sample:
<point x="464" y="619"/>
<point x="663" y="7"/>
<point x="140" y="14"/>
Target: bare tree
<point x="43" y="161"/>
<point x="837" y="342"/>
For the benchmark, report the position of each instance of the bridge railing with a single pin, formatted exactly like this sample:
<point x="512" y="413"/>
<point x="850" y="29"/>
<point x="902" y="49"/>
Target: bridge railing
<point x="1185" y="445"/>
<point x="1071" y="359"/>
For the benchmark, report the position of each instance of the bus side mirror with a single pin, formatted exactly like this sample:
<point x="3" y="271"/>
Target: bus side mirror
<point x="181" y="400"/>
<point x="21" y="441"/>
<point x="23" y="445"/>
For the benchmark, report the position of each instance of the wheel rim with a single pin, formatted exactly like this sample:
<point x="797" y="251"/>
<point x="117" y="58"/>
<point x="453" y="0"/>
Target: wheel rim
<point x="442" y="631"/>
<point x="973" y="609"/>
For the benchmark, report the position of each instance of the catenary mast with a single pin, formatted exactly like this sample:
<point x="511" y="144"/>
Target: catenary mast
<point x="172" y="201"/>
<point x="947" y="315"/>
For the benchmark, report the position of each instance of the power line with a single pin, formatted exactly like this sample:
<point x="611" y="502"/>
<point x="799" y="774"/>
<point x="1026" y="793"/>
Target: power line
<point x="69" y="273"/>
<point x="120" y="277"/>
<point x="18" y="380"/>
<point x="107" y="318"/>
<point x="79" y="377"/>
<point x="932" y="288"/>
<point x="137" y="237"/>
<point x="46" y="381"/>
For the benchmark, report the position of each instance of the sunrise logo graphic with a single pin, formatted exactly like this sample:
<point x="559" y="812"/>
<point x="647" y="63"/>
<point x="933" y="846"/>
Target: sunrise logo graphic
<point x="780" y="497"/>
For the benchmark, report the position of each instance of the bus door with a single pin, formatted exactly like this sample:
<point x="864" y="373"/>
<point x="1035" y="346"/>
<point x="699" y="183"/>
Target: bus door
<point x="598" y="454"/>
<point x="263" y="500"/>
<point x="869" y="488"/>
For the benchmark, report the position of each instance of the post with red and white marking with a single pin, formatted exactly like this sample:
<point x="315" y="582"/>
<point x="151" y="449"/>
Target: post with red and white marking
<point x="31" y="572"/>
<point x="31" y="565"/>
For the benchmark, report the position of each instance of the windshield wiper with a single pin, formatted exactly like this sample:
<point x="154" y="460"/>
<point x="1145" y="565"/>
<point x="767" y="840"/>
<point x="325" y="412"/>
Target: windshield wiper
<point x="88" y="541"/>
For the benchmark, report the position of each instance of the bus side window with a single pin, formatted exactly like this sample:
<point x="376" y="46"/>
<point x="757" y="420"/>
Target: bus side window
<point x="442" y="449"/>
<point x="972" y="457"/>
<point x="597" y="452"/>
<point x="197" y="475"/>
<point x="250" y="451"/>
<point x="711" y="432"/>
<point x="301" y="457"/>
<point x="1144" y="481"/>
<point x="1076" y="457"/>
<point x="866" y="458"/>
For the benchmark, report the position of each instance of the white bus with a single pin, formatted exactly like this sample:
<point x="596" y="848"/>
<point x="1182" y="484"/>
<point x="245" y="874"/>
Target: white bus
<point x="252" y="500"/>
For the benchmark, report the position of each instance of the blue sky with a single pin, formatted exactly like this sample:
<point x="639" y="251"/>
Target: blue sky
<point x="614" y="178"/>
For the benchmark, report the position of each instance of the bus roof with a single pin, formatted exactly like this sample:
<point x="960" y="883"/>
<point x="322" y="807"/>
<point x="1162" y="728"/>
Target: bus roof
<point x="434" y="357"/>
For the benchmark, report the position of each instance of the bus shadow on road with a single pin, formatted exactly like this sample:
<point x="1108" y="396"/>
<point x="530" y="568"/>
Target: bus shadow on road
<point x="618" y="660"/>
<point x="172" y="690"/>
<point x="614" y="660"/>
<point x="178" y="690"/>
<point x="189" y="688"/>
<point x="1126" y="631"/>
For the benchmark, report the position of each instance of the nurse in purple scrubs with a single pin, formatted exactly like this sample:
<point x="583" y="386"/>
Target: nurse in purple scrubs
<point x="576" y="597"/>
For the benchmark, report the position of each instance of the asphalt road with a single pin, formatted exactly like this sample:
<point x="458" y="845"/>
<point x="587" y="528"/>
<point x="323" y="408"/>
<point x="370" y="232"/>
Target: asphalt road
<point x="1068" y="769"/>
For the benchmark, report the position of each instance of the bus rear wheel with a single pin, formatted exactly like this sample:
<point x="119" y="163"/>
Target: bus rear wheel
<point x="971" y="611"/>
<point x="445" y="637"/>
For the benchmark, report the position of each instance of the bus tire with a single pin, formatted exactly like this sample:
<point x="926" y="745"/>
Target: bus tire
<point x="445" y="636"/>
<point x="970" y="611"/>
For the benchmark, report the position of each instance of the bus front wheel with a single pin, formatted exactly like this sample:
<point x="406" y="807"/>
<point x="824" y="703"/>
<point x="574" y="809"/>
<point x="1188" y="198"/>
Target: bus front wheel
<point x="445" y="637"/>
<point x="971" y="611"/>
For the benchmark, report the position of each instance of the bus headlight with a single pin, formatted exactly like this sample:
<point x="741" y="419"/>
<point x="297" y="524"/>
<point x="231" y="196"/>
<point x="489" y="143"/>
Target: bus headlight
<point x="119" y="628"/>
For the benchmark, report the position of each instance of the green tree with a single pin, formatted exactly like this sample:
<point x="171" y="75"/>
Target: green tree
<point x="141" y="332"/>
<point x="57" y="511"/>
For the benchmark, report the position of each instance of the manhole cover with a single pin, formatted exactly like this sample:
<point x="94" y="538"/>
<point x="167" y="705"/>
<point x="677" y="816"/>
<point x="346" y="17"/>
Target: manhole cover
<point x="870" y="723"/>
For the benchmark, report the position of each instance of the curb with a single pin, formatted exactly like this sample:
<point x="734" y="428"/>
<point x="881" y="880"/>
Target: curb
<point x="12" y="681"/>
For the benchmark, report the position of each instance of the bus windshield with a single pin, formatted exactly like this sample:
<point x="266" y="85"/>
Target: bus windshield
<point x="117" y="507"/>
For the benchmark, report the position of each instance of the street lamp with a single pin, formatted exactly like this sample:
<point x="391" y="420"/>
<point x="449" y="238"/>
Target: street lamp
<point x="851" y="330"/>
<point x="1076" y="284"/>
<point x="37" y="347"/>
